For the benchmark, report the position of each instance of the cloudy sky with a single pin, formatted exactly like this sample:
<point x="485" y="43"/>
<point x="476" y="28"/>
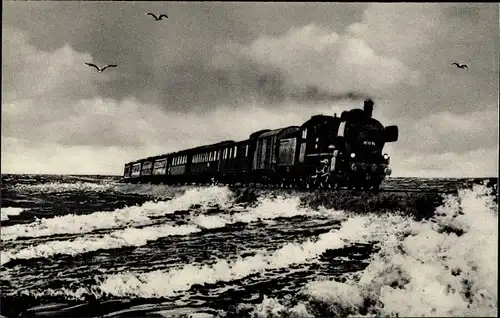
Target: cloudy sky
<point x="217" y="71"/>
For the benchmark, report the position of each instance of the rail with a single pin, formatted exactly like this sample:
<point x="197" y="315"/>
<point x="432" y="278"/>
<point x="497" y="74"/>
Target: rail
<point x="315" y="189"/>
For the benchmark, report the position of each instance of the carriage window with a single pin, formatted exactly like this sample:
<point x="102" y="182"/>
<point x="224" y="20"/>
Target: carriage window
<point x="235" y="151"/>
<point x="230" y="152"/>
<point x="304" y="133"/>
<point x="341" y="129"/>
<point x="246" y="151"/>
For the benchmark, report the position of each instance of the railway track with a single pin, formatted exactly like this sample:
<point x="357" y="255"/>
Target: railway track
<point x="320" y="189"/>
<point x="344" y="189"/>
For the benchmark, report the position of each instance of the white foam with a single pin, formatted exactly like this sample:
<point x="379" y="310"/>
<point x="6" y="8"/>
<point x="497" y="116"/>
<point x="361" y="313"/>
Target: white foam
<point x="422" y="260"/>
<point x="266" y="210"/>
<point x="129" y="216"/>
<point x="117" y="239"/>
<point x="275" y="308"/>
<point x="51" y="187"/>
<point x="159" y="283"/>
<point x="6" y="212"/>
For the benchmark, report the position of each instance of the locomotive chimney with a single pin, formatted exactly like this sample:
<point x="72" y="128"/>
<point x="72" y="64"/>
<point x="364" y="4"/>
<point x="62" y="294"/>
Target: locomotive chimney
<point x="368" y="108"/>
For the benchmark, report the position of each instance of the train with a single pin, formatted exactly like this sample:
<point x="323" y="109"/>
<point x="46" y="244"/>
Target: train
<point x="326" y="151"/>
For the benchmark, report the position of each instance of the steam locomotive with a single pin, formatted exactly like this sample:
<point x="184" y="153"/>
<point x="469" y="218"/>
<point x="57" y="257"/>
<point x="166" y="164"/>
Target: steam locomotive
<point x="324" y="152"/>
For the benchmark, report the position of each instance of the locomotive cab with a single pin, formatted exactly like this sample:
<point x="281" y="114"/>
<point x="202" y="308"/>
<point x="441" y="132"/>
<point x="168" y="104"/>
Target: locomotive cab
<point x="391" y="133"/>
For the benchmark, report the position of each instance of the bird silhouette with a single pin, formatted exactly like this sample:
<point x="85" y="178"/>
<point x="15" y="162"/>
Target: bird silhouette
<point x="460" y="65"/>
<point x="157" y="18"/>
<point x="99" y="70"/>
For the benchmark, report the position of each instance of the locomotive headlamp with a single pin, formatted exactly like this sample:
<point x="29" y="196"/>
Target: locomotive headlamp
<point x="353" y="155"/>
<point x="387" y="171"/>
<point x="386" y="156"/>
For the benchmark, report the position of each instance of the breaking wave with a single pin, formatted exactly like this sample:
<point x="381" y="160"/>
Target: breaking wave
<point x="446" y="266"/>
<point x="267" y="209"/>
<point x="128" y="216"/>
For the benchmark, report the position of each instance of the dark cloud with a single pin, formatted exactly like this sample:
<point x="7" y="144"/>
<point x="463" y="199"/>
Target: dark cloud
<point x="166" y="62"/>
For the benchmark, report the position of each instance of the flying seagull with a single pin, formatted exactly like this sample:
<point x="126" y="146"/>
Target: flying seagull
<point x="157" y="18"/>
<point x="99" y="70"/>
<point x="460" y="65"/>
